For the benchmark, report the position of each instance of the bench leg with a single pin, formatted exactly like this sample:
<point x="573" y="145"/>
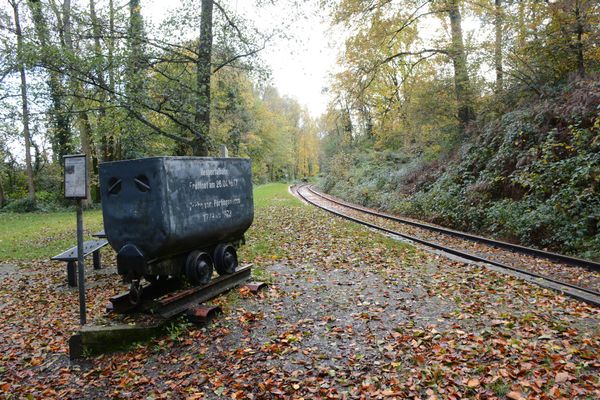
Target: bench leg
<point x="72" y="273"/>
<point x="96" y="255"/>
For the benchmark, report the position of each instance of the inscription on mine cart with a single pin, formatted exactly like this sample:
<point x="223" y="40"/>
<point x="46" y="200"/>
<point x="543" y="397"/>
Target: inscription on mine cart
<point x="216" y="208"/>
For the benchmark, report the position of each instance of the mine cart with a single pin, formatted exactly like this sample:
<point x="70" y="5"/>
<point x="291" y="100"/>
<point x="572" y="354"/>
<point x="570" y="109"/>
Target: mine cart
<point x="176" y="216"/>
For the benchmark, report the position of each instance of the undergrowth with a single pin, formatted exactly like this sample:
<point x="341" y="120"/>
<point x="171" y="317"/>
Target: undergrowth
<point x="530" y="175"/>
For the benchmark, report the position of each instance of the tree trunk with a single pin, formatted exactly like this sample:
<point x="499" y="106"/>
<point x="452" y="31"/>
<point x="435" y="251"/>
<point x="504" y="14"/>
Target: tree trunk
<point x="368" y="121"/>
<point x="61" y="137"/>
<point x="202" y="115"/>
<point x="132" y="141"/>
<point x="522" y="30"/>
<point x="25" y="106"/>
<point x="135" y="39"/>
<point x="464" y="95"/>
<point x="113" y="142"/>
<point x="579" y="44"/>
<point x="104" y="150"/>
<point x="85" y="130"/>
<point x="2" y="196"/>
<point x="83" y="122"/>
<point x="498" y="25"/>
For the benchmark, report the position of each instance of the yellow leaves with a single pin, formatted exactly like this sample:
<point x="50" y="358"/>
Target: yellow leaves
<point x="473" y="383"/>
<point x="35" y="362"/>
<point x="124" y="382"/>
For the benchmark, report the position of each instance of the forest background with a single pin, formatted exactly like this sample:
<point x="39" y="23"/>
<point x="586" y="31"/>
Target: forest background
<point x="496" y="131"/>
<point x="96" y="78"/>
<point x="492" y="129"/>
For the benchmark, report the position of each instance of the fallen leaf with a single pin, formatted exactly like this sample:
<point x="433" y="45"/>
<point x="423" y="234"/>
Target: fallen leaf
<point x="515" y="396"/>
<point x="562" y="377"/>
<point x="473" y="383"/>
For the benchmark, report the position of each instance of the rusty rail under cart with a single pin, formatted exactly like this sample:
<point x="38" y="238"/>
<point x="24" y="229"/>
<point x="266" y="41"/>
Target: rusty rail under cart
<point x="580" y="293"/>
<point x="160" y="300"/>
<point x="161" y="303"/>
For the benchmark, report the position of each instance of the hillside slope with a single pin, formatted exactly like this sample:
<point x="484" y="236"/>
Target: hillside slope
<point x="530" y="175"/>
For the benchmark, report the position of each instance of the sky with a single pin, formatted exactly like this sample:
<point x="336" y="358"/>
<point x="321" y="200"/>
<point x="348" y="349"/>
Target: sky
<point x="300" y="66"/>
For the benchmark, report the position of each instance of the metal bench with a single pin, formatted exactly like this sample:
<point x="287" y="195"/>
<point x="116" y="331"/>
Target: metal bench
<point x="100" y="234"/>
<point x="70" y="256"/>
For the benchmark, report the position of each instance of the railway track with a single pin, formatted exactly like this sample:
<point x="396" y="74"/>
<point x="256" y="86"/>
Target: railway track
<point x="166" y="300"/>
<point x="572" y="276"/>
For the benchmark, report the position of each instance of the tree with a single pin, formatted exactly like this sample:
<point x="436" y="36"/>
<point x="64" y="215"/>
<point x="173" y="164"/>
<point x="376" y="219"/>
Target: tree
<point x="554" y="41"/>
<point x="61" y="135"/>
<point x="3" y="153"/>
<point x="462" y="84"/>
<point x="204" y="66"/>
<point x="498" y="26"/>
<point x="385" y="53"/>
<point x="133" y="143"/>
<point x="106" y="151"/>
<point x="24" y="99"/>
<point x="77" y="94"/>
<point x="118" y="87"/>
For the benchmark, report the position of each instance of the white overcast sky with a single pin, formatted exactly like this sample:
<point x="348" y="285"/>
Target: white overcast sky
<point x="300" y="65"/>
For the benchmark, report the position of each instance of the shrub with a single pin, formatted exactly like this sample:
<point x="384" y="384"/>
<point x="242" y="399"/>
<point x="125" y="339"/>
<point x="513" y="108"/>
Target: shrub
<point x="531" y="175"/>
<point x="20" y="206"/>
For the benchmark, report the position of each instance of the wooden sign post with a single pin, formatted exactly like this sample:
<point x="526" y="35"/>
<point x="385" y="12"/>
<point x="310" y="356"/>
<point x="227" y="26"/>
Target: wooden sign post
<point x="76" y="188"/>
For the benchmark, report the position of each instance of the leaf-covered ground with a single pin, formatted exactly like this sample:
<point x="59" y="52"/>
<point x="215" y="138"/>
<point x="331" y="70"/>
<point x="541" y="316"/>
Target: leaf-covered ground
<point x="349" y="314"/>
<point x="574" y="275"/>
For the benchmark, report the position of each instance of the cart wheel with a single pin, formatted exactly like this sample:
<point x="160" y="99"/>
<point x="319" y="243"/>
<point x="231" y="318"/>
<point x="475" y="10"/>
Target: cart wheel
<point x="225" y="258"/>
<point x="198" y="268"/>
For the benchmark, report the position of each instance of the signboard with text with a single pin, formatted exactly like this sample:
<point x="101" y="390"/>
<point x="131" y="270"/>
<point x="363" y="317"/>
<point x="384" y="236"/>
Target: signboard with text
<point x="75" y="176"/>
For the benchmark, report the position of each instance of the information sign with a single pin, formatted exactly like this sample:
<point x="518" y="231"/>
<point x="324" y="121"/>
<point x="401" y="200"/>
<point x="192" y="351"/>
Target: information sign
<point x="75" y="176"/>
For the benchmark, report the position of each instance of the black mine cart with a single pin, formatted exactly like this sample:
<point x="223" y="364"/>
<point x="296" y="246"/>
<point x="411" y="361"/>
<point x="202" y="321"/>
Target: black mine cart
<point x="176" y="216"/>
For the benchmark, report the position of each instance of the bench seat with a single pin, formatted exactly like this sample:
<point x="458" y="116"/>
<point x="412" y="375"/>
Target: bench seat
<point x="70" y="257"/>
<point x="100" y="234"/>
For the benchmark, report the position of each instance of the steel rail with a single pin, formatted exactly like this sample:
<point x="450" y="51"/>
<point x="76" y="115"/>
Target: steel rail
<point x="470" y="256"/>
<point x="176" y="302"/>
<point x="180" y="302"/>
<point x="573" y="261"/>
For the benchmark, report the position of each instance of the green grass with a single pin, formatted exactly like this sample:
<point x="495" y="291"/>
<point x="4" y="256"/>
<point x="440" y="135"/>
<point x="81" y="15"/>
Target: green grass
<point x="259" y="242"/>
<point x="43" y="235"/>
<point x="274" y="193"/>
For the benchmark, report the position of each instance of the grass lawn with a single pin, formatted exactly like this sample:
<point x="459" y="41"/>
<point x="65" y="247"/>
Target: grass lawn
<point x="274" y="193"/>
<point x="43" y="235"/>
